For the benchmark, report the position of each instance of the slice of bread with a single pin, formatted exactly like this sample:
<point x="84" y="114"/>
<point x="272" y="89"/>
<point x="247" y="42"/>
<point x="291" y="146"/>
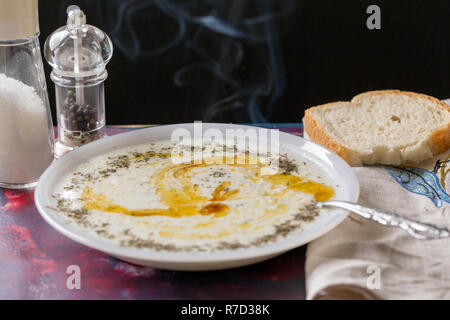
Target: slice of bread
<point x="384" y="127"/>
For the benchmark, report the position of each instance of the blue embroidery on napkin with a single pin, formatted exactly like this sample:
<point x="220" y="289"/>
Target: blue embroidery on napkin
<point x="420" y="181"/>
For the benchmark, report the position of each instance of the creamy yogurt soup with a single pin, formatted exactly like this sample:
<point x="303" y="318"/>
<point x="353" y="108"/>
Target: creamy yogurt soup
<point x="150" y="197"/>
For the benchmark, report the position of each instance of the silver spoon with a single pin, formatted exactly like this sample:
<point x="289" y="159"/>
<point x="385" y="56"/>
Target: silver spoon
<point x="419" y="230"/>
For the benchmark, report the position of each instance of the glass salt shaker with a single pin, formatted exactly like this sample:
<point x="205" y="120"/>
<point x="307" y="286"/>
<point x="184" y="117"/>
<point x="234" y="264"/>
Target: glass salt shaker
<point x="26" y="129"/>
<point x="78" y="54"/>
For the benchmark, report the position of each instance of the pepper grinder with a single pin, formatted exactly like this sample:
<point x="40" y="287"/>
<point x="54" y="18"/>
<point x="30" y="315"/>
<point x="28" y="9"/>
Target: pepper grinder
<point x="78" y="54"/>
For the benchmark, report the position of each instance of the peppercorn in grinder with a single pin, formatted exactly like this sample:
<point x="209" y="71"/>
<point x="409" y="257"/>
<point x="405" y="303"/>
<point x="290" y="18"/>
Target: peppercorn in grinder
<point x="78" y="54"/>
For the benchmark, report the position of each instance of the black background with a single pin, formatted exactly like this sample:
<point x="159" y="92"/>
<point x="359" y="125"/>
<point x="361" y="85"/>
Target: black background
<point x="326" y="54"/>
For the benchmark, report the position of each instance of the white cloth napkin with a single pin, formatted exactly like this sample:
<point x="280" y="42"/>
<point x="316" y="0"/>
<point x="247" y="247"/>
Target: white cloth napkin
<point x="361" y="259"/>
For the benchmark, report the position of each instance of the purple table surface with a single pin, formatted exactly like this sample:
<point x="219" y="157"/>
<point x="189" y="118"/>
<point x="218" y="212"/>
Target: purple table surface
<point x="35" y="260"/>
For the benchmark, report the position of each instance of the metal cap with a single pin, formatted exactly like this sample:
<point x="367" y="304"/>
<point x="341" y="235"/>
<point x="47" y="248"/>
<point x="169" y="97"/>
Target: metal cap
<point x="18" y="19"/>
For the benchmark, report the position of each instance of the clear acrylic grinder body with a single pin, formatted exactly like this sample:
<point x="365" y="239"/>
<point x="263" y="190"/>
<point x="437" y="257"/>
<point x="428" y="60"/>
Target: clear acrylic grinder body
<point x="78" y="54"/>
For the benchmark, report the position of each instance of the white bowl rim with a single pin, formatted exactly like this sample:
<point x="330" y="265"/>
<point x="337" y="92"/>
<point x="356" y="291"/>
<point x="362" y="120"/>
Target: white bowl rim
<point x="142" y="254"/>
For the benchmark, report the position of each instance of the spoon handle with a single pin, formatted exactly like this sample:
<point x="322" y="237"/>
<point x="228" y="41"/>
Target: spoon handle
<point x="419" y="230"/>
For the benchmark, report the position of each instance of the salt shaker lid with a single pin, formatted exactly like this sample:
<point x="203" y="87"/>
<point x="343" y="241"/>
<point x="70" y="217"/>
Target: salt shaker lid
<point x="78" y="49"/>
<point x="18" y="19"/>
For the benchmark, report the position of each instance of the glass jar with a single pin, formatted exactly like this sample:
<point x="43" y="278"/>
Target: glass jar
<point x="26" y="131"/>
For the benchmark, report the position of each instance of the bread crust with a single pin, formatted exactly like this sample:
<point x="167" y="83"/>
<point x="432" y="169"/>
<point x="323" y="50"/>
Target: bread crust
<point x="439" y="139"/>
<point x="318" y="134"/>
